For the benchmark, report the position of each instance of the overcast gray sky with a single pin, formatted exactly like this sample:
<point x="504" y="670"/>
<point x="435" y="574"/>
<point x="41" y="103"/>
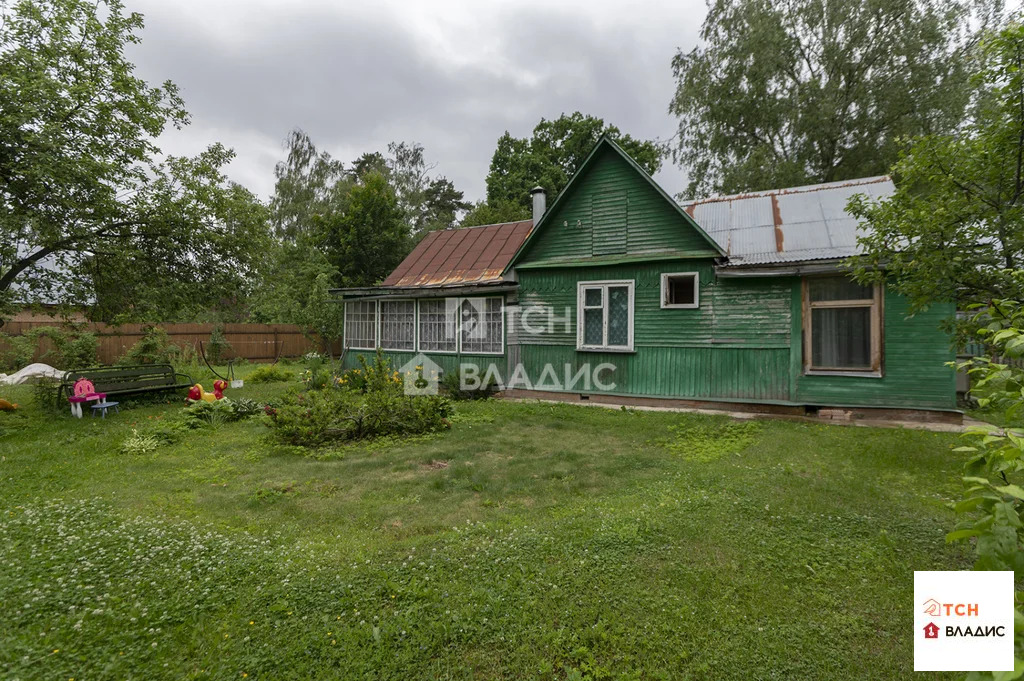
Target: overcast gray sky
<point x="450" y="74"/>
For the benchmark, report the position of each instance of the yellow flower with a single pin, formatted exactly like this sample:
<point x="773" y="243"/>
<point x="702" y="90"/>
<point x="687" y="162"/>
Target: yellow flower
<point x="56" y="650"/>
<point x="252" y="622"/>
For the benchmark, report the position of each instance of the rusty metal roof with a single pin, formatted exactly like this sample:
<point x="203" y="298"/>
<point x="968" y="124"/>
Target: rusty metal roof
<point x="470" y="255"/>
<point x="787" y="225"/>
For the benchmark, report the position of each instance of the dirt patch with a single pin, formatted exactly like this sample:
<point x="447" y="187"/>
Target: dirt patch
<point x="435" y="465"/>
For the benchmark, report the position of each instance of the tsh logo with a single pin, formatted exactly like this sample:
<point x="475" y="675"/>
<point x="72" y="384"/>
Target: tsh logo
<point x="935" y="609"/>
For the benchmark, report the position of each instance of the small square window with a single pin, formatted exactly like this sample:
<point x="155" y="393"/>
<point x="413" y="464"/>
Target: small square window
<point x="680" y="290"/>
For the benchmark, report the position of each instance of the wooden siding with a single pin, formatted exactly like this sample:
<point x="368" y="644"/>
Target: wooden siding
<point x="915" y="351"/>
<point x="732" y="313"/>
<point x="448" y="362"/>
<point x="612" y="209"/>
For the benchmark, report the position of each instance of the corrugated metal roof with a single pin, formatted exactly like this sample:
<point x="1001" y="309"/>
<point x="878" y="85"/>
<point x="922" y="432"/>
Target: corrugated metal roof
<point x="787" y="225"/>
<point x="471" y="255"/>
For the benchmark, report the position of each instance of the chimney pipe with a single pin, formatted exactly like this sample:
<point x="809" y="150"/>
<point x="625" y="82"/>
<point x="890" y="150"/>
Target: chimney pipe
<point x="540" y="203"/>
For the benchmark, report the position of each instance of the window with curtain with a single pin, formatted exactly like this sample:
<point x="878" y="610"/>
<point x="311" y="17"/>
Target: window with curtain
<point x="361" y="324"/>
<point x="482" y="325"/>
<point x="398" y="324"/>
<point x="438" y="324"/>
<point x="845" y="326"/>
<point x="604" y="315"/>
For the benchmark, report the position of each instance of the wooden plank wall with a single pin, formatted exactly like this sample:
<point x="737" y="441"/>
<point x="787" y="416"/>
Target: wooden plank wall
<point x="255" y="342"/>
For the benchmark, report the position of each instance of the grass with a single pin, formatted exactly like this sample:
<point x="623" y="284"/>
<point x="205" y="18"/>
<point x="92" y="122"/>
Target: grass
<point x="529" y="541"/>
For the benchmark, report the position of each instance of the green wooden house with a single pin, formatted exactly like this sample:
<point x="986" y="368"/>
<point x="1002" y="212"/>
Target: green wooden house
<point x="617" y="293"/>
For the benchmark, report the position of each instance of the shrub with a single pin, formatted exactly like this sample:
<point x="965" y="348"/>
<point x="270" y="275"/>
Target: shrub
<point x="246" y="407"/>
<point x="451" y="384"/>
<point x="155" y="347"/>
<point x="269" y="373"/>
<point x="318" y="376"/>
<point x="218" y="346"/>
<point x="71" y="348"/>
<point x="199" y="414"/>
<point x="379" y="375"/>
<point x="317" y="417"/>
<point x="45" y="391"/>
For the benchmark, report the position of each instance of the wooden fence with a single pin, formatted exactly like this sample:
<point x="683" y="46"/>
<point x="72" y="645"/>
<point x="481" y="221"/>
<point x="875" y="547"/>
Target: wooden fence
<point x="254" y="342"/>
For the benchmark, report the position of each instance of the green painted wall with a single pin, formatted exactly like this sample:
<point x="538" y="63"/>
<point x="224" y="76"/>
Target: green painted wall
<point x="734" y="346"/>
<point x="612" y="209"/>
<point x="743" y="343"/>
<point x="447" y="362"/>
<point x="915" y="351"/>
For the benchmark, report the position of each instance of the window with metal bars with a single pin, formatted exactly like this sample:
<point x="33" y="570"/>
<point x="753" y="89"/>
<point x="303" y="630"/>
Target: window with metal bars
<point x="482" y="325"/>
<point x="398" y="324"/>
<point x="361" y="324"/>
<point x="438" y="324"/>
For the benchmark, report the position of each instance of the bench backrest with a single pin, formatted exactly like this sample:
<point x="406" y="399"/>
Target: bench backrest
<point x="120" y="379"/>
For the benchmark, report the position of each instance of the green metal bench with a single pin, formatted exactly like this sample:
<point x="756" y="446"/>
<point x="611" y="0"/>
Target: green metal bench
<point x="125" y="380"/>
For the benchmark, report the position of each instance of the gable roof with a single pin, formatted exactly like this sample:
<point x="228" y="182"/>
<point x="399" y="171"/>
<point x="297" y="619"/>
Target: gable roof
<point x="787" y="225"/>
<point x="469" y="255"/>
<point x="606" y="141"/>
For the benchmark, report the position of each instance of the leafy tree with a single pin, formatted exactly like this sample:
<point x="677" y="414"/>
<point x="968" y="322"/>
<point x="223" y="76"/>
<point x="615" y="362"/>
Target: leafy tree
<point x="370" y="238"/>
<point x="551" y="156"/>
<point x="81" y="186"/>
<point x="991" y="507"/>
<point x="429" y="203"/>
<point x="803" y="91"/>
<point x="287" y="278"/>
<point x="485" y="213"/>
<point x="306" y="183"/>
<point x="953" y="229"/>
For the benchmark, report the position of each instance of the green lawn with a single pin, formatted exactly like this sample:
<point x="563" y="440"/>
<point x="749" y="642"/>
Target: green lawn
<point x="529" y="541"/>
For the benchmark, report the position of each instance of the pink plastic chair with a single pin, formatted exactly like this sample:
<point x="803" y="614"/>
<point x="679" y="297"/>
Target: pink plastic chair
<point x="84" y="391"/>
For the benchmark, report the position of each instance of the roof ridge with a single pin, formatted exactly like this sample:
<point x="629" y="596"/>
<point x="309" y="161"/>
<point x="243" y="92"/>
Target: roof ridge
<point x="493" y="224"/>
<point x="800" y="189"/>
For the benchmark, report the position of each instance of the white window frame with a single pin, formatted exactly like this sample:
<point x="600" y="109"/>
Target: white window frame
<point x="604" y="285"/>
<point x="419" y="336"/>
<point x="665" y="305"/>
<point x="376" y="325"/>
<point x="458" y="327"/>
<point x="501" y="314"/>
<point x="415" y="324"/>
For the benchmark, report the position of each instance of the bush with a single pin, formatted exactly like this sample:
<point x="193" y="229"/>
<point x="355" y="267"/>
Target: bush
<point x="218" y="346"/>
<point x="451" y="384"/>
<point x="72" y="348"/>
<point x="317" y="417"/>
<point x="45" y="391"/>
<point x="155" y="347"/>
<point x="269" y="373"/>
<point x="202" y="413"/>
<point x="318" y="376"/>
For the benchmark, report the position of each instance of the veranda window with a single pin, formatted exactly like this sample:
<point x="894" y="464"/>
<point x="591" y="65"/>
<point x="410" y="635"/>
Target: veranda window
<point x="398" y="324"/>
<point x="842" y="325"/>
<point x="438" y="325"/>
<point x="361" y="325"/>
<point x="604" y="315"/>
<point x="482" y="325"/>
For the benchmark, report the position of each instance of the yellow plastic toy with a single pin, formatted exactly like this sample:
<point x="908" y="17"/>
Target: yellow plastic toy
<point x="197" y="393"/>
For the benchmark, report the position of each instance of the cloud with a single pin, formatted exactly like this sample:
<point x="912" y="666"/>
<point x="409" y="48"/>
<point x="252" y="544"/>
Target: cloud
<point x="451" y="75"/>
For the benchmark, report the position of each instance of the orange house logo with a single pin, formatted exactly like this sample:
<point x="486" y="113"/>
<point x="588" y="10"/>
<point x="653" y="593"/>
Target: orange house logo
<point x="935" y="609"/>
